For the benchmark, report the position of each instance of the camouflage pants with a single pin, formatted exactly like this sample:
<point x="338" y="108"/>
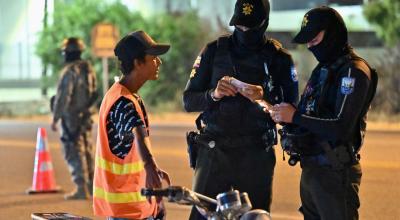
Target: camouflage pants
<point x="78" y="151"/>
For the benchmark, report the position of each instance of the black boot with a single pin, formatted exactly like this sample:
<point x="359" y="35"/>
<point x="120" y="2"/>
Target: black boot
<point x="80" y="193"/>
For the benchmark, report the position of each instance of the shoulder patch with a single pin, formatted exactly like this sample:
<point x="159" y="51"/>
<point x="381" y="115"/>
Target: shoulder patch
<point x="347" y="86"/>
<point x="276" y="43"/>
<point x="195" y="66"/>
<point x="293" y="73"/>
<point x="193" y="73"/>
<point x="197" y="62"/>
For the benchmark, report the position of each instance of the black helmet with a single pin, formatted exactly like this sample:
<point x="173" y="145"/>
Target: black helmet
<point x="72" y="44"/>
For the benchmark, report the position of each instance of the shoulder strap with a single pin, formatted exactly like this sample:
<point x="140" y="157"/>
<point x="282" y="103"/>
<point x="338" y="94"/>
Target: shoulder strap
<point x="223" y="54"/>
<point x="223" y="42"/>
<point x="340" y="65"/>
<point x="269" y="51"/>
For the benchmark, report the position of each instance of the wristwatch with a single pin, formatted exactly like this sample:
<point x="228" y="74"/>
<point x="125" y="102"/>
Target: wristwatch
<point x="213" y="97"/>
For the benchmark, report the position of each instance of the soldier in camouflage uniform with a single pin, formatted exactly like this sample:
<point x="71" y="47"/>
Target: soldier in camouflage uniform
<point x="76" y="93"/>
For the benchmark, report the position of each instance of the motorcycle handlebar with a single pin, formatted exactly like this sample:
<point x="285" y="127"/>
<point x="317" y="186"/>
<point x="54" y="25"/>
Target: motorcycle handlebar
<point x="177" y="193"/>
<point x="155" y="192"/>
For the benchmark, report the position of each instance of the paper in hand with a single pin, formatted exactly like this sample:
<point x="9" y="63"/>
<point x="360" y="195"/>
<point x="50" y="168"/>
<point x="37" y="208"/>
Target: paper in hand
<point x="241" y="86"/>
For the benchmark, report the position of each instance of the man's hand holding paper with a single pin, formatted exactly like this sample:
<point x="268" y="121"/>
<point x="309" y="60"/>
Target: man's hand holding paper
<point x="250" y="91"/>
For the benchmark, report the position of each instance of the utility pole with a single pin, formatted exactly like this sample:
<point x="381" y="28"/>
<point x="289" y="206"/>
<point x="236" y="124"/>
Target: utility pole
<point x="44" y="63"/>
<point x="168" y="6"/>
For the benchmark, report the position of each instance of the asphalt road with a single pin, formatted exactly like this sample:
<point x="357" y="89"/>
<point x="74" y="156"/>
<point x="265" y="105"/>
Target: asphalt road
<point x="379" y="189"/>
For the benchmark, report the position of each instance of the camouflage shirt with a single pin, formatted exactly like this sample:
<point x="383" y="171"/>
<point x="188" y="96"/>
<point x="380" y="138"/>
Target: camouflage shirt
<point x="76" y="88"/>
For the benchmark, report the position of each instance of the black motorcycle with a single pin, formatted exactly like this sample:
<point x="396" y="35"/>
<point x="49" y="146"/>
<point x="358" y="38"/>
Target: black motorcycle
<point x="231" y="205"/>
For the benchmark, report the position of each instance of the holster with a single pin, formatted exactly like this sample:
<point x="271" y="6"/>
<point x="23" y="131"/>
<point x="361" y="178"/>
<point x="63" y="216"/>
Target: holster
<point x="193" y="145"/>
<point x="298" y="141"/>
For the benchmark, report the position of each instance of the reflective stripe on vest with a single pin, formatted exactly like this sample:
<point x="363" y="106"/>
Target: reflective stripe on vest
<point x="119" y="169"/>
<point x="118" y="197"/>
<point x="117" y="182"/>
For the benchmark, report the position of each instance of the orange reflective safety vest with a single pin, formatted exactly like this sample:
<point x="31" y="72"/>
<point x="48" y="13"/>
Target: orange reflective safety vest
<point x="117" y="182"/>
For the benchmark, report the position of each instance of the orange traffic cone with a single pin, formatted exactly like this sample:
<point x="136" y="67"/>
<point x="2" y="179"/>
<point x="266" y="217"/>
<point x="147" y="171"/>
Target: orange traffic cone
<point x="43" y="175"/>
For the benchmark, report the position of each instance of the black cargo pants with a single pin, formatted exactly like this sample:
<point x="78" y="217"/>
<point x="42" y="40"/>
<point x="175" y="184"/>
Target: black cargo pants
<point x="245" y="168"/>
<point x="328" y="194"/>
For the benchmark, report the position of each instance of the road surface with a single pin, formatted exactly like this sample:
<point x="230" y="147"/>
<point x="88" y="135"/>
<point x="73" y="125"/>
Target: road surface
<point x="380" y="188"/>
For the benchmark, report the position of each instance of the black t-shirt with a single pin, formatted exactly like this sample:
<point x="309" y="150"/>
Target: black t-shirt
<point x="121" y="120"/>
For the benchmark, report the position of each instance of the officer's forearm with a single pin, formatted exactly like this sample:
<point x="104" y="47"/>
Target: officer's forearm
<point x="330" y="129"/>
<point x="197" y="101"/>
<point x="59" y="109"/>
<point x="347" y="113"/>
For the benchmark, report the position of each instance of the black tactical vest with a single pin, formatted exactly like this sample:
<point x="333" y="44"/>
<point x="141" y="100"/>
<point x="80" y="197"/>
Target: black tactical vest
<point x="234" y="116"/>
<point x="322" y="99"/>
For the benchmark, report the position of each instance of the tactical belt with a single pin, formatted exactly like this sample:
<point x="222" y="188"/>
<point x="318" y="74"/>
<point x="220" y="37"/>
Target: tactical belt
<point x="232" y="142"/>
<point x="337" y="158"/>
<point x="317" y="160"/>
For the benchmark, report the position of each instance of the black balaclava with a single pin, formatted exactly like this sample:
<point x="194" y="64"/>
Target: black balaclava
<point x="334" y="43"/>
<point x="252" y="38"/>
<point x="71" y="56"/>
<point x="72" y="48"/>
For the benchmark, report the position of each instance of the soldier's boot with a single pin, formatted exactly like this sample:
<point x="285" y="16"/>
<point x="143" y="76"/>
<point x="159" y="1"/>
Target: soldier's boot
<point x="80" y="193"/>
<point x="90" y="188"/>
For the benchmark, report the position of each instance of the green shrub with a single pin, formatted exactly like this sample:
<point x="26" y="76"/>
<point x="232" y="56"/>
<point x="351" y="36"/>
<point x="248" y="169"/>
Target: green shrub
<point x="184" y="32"/>
<point x="384" y="15"/>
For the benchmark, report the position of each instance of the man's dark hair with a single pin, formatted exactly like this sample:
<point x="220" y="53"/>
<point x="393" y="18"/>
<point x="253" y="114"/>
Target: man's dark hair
<point x="135" y="46"/>
<point x="127" y="63"/>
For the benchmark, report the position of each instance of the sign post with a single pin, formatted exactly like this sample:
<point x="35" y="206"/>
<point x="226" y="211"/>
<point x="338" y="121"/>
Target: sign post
<point x="104" y="38"/>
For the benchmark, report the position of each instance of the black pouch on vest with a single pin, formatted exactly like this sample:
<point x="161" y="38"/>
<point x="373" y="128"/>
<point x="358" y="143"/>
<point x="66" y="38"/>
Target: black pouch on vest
<point x="298" y="140"/>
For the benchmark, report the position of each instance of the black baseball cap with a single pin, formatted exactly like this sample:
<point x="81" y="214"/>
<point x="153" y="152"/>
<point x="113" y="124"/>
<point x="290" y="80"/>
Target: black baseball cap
<point x="250" y="13"/>
<point x="137" y="43"/>
<point x="314" y="21"/>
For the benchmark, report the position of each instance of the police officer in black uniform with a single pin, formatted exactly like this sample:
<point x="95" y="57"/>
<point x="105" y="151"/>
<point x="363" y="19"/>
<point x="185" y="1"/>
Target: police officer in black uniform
<point x="237" y="136"/>
<point x="332" y="113"/>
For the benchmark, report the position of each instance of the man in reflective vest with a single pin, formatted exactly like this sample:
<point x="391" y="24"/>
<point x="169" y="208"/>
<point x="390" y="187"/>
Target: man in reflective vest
<point x="124" y="162"/>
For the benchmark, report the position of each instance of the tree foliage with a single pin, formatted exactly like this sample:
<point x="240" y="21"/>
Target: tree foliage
<point x="387" y="99"/>
<point x="385" y="16"/>
<point x="184" y="32"/>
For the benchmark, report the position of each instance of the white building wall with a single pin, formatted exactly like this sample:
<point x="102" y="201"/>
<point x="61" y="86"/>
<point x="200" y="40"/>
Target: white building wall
<point x="20" y="21"/>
